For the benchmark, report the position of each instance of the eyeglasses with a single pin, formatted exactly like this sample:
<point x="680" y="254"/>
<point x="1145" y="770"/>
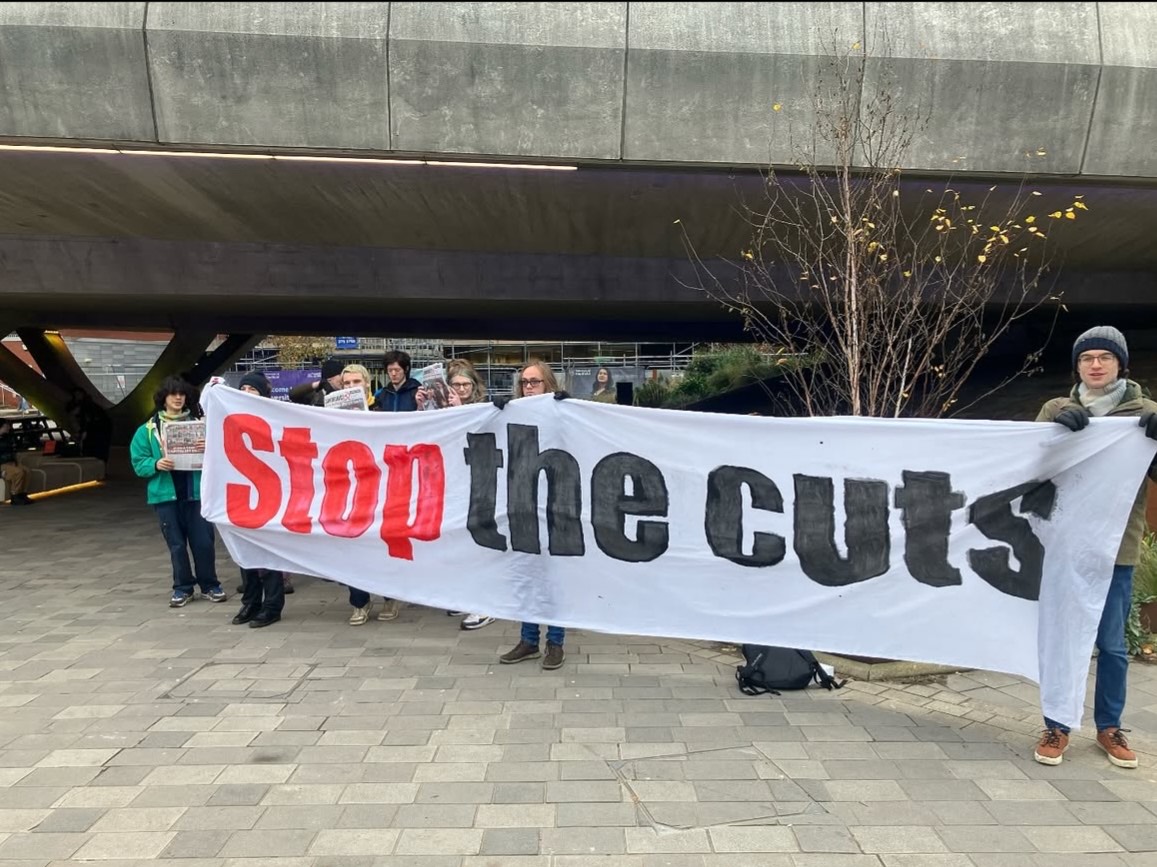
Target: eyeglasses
<point x="466" y="384"/>
<point x="1105" y="358"/>
<point x="530" y="383"/>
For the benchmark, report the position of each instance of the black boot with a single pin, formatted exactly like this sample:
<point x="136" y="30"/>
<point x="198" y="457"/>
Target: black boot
<point x="264" y="619"/>
<point x="247" y="613"/>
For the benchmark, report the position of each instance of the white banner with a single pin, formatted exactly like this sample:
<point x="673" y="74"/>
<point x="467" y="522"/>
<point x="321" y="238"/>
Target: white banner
<point x="954" y="542"/>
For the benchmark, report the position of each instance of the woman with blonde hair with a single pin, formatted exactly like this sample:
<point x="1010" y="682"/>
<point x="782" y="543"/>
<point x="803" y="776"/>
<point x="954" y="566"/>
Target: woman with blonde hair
<point x="466" y="387"/>
<point x="353" y="376"/>
<point x="533" y="379"/>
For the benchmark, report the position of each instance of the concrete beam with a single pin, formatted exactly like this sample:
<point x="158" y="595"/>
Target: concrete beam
<point x="271" y="74"/>
<point x="1124" y="123"/>
<point x="521" y="79"/>
<point x="1005" y="87"/>
<point x="702" y="79"/>
<point x="74" y="70"/>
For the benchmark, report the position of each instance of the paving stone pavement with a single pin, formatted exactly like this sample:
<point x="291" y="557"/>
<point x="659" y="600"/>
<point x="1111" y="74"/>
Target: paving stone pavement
<point x="133" y="733"/>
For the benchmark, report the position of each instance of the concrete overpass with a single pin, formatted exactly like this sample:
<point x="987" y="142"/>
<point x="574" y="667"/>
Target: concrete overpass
<point x="252" y="167"/>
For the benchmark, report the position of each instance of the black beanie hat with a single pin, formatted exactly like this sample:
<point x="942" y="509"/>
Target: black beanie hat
<point x="332" y="367"/>
<point x="256" y="380"/>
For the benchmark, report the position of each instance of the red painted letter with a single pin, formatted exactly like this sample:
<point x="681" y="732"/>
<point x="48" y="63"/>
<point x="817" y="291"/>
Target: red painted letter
<point x="367" y="480"/>
<point x="397" y="531"/>
<point x="299" y="451"/>
<point x="262" y="477"/>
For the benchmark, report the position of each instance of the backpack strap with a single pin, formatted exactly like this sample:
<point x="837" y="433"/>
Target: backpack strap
<point x="748" y="686"/>
<point x="826" y="680"/>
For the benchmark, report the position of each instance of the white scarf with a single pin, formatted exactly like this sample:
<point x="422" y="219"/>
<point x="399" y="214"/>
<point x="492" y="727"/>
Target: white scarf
<point x="1101" y="401"/>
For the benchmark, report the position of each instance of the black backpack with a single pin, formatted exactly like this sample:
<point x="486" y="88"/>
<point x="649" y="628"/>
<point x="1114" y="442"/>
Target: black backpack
<point x="770" y="669"/>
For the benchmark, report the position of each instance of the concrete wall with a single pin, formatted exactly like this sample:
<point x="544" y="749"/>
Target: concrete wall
<point x="1045" y="87"/>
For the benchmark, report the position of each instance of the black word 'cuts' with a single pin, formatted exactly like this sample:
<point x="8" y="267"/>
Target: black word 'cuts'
<point x="611" y="501"/>
<point x="865" y="530"/>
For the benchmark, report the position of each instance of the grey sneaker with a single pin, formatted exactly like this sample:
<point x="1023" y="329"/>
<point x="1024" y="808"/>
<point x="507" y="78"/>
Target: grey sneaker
<point x="216" y="594"/>
<point x="475" y="621"/>
<point x="180" y="600"/>
<point x="360" y="616"/>
<point x="554" y="657"/>
<point x="519" y="653"/>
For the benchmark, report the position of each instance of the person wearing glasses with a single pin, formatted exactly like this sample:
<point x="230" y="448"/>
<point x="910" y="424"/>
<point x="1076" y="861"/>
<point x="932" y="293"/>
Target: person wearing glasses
<point x="1101" y="364"/>
<point x="356" y="376"/>
<point x="534" y="379"/>
<point x="466" y="387"/>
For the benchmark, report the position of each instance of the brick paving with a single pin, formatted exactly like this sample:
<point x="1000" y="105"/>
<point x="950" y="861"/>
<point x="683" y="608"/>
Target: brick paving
<point x="133" y="733"/>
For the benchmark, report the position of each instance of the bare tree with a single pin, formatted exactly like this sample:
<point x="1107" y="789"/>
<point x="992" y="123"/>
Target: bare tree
<point x="882" y="295"/>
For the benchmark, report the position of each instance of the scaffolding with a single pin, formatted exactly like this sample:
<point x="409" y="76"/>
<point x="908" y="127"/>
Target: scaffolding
<point x="497" y="361"/>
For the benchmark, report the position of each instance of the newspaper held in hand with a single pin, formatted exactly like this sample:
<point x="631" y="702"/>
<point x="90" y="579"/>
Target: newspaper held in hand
<point x="347" y="398"/>
<point x="433" y="379"/>
<point x="184" y="444"/>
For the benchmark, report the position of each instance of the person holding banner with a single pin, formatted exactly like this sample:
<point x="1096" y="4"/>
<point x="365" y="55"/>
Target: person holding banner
<point x="356" y="376"/>
<point x="534" y="379"/>
<point x="262" y="590"/>
<point x="176" y="496"/>
<point x="313" y="393"/>
<point x="466" y="387"/>
<point x="401" y="392"/>
<point x="1101" y="364"/>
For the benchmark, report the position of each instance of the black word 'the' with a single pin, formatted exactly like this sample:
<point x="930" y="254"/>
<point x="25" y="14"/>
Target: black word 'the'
<point x="626" y="485"/>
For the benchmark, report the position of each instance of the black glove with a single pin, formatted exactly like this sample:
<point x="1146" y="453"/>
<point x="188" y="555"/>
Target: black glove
<point x="1075" y="418"/>
<point x="501" y="401"/>
<point x="561" y="395"/>
<point x="1149" y="422"/>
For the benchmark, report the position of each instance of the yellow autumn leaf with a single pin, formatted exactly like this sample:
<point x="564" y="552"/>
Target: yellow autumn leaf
<point x="1035" y="193"/>
<point x="995" y="228"/>
<point x="1040" y="152"/>
<point x="982" y="258"/>
<point x="1030" y="219"/>
<point x="1069" y="215"/>
<point x="1056" y="215"/>
<point x="775" y="106"/>
<point x="907" y="273"/>
<point x="937" y="259"/>
<point x="855" y="46"/>
<point x="1081" y="205"/>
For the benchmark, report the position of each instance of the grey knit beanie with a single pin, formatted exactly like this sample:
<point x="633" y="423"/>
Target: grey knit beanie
<point x="1102" y="337"/>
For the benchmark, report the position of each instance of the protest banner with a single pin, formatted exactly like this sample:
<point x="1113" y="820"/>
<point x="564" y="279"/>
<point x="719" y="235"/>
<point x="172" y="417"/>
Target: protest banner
<point x="973" y="543"/>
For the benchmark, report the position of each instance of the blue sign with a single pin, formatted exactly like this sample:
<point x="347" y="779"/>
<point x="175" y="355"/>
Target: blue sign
<point x="347" y="343"/>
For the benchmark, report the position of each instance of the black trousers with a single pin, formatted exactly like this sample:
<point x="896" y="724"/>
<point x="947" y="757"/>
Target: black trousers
<point x="263" y="589"/>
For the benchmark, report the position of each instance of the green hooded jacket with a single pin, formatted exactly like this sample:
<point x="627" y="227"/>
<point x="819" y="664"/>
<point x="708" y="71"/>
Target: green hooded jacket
<point x="144" y="452"/>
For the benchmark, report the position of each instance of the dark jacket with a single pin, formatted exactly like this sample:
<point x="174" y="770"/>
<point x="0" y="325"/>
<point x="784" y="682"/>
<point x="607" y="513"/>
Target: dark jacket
<point x="402" y="399"/>
<point x="1133" y="403"/>
<point x="8" y="448"/>
<point x="308" y="395"/>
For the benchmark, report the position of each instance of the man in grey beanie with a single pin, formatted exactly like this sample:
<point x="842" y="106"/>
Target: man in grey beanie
<point x="1101" y="363"/>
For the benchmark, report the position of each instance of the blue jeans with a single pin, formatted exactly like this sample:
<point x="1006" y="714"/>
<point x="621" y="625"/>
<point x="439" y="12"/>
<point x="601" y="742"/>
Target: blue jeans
<point x="185" y="530"/>
<point x="1112" y="654"/>
<point x="554" y="634"/>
